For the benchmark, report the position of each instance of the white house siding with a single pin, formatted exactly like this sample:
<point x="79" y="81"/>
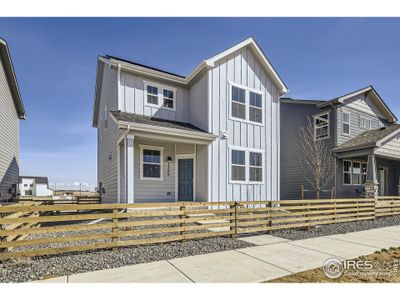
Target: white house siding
<point x="198" y="105"/>
<point x="242" y="67"/>
<point x="132" y="97"/>
<point x="9" y="138"/>
<point x="390" y="149"/>
<point x="107" y="141"/>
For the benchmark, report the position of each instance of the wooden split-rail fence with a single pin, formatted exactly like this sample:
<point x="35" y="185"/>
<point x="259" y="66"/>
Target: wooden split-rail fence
<point x="68" y="228"/>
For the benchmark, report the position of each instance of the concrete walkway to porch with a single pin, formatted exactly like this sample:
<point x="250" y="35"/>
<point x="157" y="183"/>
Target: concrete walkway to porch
<point x="270" y="258"/>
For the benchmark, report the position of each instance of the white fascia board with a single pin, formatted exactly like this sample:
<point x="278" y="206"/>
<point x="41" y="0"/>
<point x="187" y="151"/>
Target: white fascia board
<point x="342" y="99"/>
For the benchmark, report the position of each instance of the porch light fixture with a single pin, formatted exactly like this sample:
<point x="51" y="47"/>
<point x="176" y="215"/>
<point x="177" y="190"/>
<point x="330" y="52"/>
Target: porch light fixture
<point x="169" y="159"/>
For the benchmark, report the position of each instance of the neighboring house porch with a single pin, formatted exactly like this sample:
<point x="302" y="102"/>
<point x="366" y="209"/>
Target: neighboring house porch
<point x="173" y="154"/>
<point x="369" y="164"/>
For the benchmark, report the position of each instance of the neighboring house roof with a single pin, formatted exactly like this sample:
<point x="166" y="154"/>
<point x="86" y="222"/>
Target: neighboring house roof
<point x="369" y="139"/>
<point x="301" y="101"/>
<point x="144" y="122"/>
<point x="38" y="179"/>
<point x="367" y="90"/>
<point x="158" y="73"/>
<point x="12" y="79"/>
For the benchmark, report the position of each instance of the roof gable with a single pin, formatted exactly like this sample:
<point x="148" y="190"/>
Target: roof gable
<point x="11" y="78"/>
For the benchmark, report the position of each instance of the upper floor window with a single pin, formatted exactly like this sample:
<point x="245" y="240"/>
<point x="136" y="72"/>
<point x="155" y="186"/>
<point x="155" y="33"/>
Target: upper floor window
<point x="321" y="126"/>
<point x="346" y="123"/>
<point x="246" y="165"/>
<point x="151" y="159"/>
<point x="365" y="123"/>
<point x="246" y="104"/>
<point x="160" y="96"/>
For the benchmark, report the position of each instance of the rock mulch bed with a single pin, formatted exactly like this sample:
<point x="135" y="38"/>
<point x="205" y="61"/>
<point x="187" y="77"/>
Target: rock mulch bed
<point x="299" y="234"/>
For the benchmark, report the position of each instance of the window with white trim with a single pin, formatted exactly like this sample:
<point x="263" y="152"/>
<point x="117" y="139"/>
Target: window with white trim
<point x="238" y="165"/>
<point x="354" y="172"/>
<point x="160" y="96"/>
<point x="365" y="123"/>
<point x="363" y="173"/>
<point x="346" y="123"/>
<point x="321" y="126"/>
<point x="246" y="104"/>
<point x="347" y="172"/>
<point x="151" y="166"/>
<point x="246" y="165"/>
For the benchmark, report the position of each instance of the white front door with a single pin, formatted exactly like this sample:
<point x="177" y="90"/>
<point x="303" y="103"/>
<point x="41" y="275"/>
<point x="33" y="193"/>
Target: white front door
<point x="382" y="181"/>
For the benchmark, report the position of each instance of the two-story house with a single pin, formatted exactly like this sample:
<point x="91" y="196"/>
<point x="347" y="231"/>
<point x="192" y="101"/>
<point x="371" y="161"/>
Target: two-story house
<point x="209" y="136"/>
<point x="361" y="133"/>
<point x="11" y="111"/>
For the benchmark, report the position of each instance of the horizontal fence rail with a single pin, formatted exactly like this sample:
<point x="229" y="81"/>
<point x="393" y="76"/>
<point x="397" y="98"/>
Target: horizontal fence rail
<point x="64" y="228"/>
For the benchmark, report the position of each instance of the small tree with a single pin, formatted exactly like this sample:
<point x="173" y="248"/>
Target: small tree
<point x="317" y="160"/>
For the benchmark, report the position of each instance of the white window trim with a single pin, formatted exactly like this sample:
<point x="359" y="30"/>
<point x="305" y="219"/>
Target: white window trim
<point x="148" y="147"/>
<point x="247" y="165"/>
<point x="329" y="125"/>
<point x="361" y="162"/>
<point x="365" y="122"/>
<point x="246" y="103"/>
<point x="160" y="88"/>
<point x="343" y="122"/>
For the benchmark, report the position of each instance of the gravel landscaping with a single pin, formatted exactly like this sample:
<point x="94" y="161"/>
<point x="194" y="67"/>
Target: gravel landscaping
<point x="299" y="234"/>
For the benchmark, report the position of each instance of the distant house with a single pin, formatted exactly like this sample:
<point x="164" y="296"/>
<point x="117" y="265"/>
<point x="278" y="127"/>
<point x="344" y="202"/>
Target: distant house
<point x="34" y="186"/>
<point x="11" y="111"/>
<point x="210" y="136"/>
<point x="361" y="132"/>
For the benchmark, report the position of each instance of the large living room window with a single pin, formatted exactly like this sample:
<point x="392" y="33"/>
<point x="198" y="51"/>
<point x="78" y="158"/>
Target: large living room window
<point x="321" y="126"/>
<point x="246" y="104"/>
<point x="151" y="159"/>
<point x="246" y="165"/>
<point x="354" y="172"/>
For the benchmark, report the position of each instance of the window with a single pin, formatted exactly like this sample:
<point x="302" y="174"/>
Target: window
<point x="31" y="185"/>
<point x="363" y="173"/>
<point x="255" y="112"/>
<point x="25" y="185"/>
<point x="346" y="123"/>
<point x="238" y="103"/>
<point x="151" y="159"/>
<point x="168" y="98"/>
<point x="238" y="165"/>
<point x="321" y="126"/>
<point x="356" y="172"/>
<point x="160" y="96"/>
<point x="247" y="165"/>
<point x="246" y="104"/>
<point x="152" y="95"/>
<point x="255" y="166"/>
<point x="28" y="193"/>
<point x="347" y="172"/>
<point x="365" y="123"/>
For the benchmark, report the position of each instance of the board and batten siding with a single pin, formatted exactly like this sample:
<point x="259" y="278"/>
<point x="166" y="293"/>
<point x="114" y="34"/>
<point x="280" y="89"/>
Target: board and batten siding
<point x="243" y="68"/>
<point x="293" y="117"/>
<point x="133" y="100"/>
<point x="108" y="137"/>
<point x="359" y="106"/>
<point x="9" y="138"/>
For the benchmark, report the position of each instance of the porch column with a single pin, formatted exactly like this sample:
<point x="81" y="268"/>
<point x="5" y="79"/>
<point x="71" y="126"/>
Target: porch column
<point x="129" y="163"/>
<point x="371" y="185"/>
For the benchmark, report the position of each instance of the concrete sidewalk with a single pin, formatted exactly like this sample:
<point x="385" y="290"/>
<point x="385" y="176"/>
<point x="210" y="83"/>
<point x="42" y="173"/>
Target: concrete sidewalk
<point x="272" y="257"/>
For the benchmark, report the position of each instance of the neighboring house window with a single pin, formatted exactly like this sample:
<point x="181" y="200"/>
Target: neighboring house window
<point x="256" y="166"/>
<point x="25" y="185"/>
<point x="28" y="193"/>
<point x="151" y="159"/>
<point x="347" y="172"/>
<point x="365" y="123"/>
<point x="246" y="165"/>
<point x="321" y="126"/>
<point x="152" y="95"/>
<point x="238" y="165"/>
<point x="238" y="103"/>
<point x="246" y="104"/>
<point x="160" y="96"/>
<point x="354" y="172"/>
<point x="255" y="111"/>
<point x="31" y="185"/>
<point x="346" y="123"/>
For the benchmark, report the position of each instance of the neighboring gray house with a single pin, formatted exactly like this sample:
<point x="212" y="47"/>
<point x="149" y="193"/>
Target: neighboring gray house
<point x="209" y="136"/>
<point x="11" y="110"/>
<point x="361" y="132"/>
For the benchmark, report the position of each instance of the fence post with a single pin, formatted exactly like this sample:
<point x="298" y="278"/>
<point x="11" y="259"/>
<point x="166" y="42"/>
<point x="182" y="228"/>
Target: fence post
<point x="115" y="229"/>
<point x="232" y="221"/>
<point x="269" y="223"/>
<point x="307" y="215"/>
<point x="302" y="192"/>
<point x="335" y="217"/>
<point x="182" y="217"/>
<point x="375" y="205"/>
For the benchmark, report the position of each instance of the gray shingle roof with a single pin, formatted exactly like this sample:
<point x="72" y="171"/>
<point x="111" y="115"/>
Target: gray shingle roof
<point x="135" y="118"/>
<point x="367" y="139"/>
<point x="38" y="179"/>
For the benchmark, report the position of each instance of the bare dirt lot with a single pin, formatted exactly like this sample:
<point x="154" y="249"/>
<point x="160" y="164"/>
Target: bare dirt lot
<point x="383" y="273"/>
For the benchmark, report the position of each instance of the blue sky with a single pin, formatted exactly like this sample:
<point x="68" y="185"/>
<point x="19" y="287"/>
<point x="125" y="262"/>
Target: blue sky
<point x="55" y="62"/>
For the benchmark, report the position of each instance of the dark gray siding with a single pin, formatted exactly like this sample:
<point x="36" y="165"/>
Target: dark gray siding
<point x="293" y="117"/>
<point x="9" y="138"/>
